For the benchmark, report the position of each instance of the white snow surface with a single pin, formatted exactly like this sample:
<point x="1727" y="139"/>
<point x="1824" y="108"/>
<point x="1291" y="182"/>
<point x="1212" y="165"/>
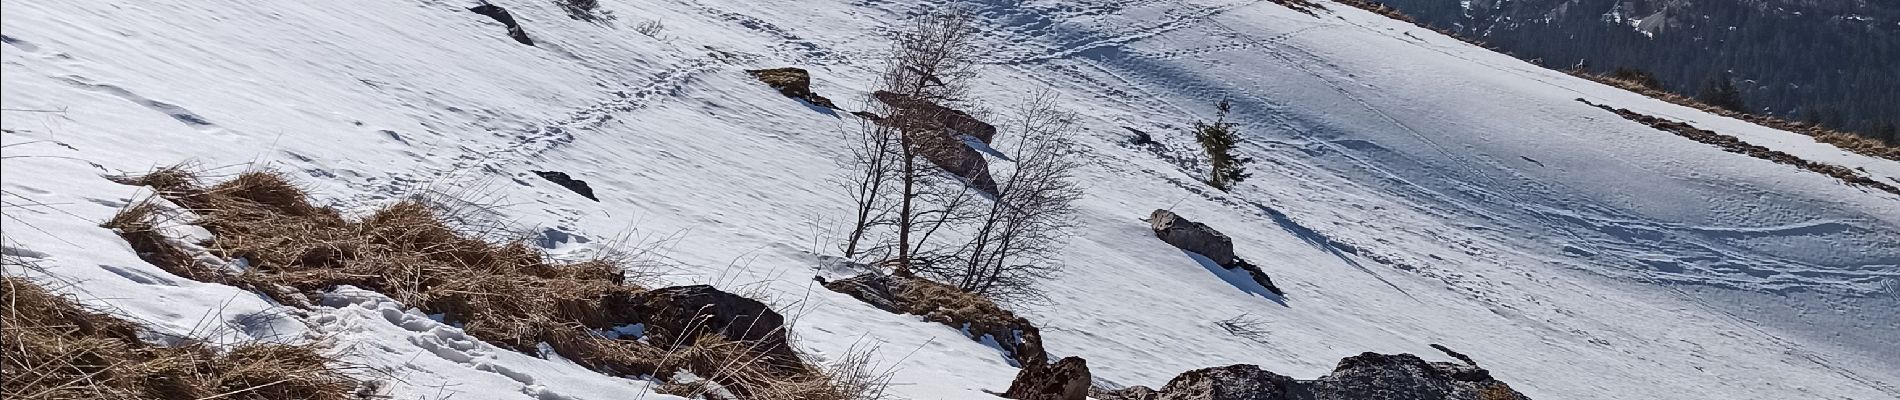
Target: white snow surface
<point x="1411" y="189"/>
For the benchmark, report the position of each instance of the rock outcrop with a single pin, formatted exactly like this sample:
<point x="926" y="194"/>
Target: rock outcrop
<point x="920" y="114"/>
<point x="1365" y="376"/>
<point x="934" y="131"/>
<point x="940" y="303"/>
<point x="792" y="82"/>
<point x="690" y="311"/>
<point x="1066" y="379"/>
<point x="952" y="155"/>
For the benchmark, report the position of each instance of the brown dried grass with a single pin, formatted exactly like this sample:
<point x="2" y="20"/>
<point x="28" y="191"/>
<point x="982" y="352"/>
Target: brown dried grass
<point x="1859" y="144"/>
<point x="507" y="293"/>
<point x="936" y="302"/>
<point x="58" y="349"/>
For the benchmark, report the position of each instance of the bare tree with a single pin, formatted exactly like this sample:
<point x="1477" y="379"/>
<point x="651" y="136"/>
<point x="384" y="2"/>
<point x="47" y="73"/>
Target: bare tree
<point x="1014" y="239"/>
<point x="906" y="210"/>
<point x="935" y="57"/>
<point x="869" y="173"/>
<point x="932" y="60"/>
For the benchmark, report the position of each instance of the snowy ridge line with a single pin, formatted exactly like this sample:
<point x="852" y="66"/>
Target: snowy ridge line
<point x="1736" y="145"/>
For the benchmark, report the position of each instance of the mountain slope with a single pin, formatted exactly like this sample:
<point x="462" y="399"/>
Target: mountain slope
<point x="1819" y="61"/>
<point x="1412" y="189"/>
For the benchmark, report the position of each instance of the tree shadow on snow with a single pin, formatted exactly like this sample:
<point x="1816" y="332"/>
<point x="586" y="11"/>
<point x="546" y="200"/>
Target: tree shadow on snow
<point x="1239" y="278"/>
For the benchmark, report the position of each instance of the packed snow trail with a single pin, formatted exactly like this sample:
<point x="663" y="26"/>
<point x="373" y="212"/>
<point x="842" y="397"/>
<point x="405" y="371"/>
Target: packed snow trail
<point x="1412" y="189"/>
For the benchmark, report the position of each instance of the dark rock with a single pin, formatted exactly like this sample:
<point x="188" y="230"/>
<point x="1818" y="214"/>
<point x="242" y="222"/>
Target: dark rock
<point x="1233" y="382"/>
<point x="1141" y="138"/>
<point x="792" y="82"/>
<point x="502" y="16"/>
<point x="689" y="311"/>
<point x="1365" y="376"/>
<point x="1192" y="236"/>
<point x="1127" y="393"/>
<point x="1407" y="377"/>
<point x="953" y="156"/>
<point x="1067" y="379"/>
<point x="920" y="114"/>
<point x="576" y="185"/>
<point x="933" y="130"/>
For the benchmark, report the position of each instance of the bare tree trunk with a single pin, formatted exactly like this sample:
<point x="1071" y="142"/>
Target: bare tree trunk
<point x="906" y="212"/>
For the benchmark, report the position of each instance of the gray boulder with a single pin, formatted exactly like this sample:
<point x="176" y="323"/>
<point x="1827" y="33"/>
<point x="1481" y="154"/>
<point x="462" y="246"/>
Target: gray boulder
<point x="1192" y="236"/>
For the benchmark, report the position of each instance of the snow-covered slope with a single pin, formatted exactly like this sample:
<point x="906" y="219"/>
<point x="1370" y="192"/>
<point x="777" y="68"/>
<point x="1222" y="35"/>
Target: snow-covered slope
<point x="1411" y="189"/>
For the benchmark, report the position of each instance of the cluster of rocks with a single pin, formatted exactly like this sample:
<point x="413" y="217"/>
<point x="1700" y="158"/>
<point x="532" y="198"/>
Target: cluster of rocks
<point x="1204" y="240"/>
<point x="1365" y="376"/>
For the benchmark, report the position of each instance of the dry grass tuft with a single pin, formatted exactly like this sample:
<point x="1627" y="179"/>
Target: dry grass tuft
<point x="1859" y="144"/>
<point x="57" y="349"/>
<point x="731" y="369"/>
<point x="417" y="252"/>
<point x="1499" y="391"/>
<point x="138" y="225"/>
<point x="937" y="302"/>
<point x="945" y="304"/>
